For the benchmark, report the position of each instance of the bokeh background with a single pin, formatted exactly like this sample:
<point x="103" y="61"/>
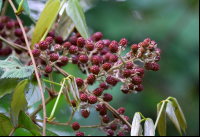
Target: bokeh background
<point x="173" y="24"/>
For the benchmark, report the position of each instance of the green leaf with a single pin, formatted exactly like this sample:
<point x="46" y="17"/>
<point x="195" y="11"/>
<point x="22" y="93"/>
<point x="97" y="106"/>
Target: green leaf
<point x="1" y="71"/>
<point x="13" y="58"/>
<point x="171" y="114"/>
<point x="22" y="72"/>
<point x="46" y="18"/>
<point x="1" y="3"/>
<point x="18" y="102"/>
<point x="9" y="64"/>
<point x="149" y="129"/>
<point x="179" y="114"/>
<point x="6" y="87"/>
<point x="25" y="122"/>
<point x="25" y="5"/>
<point x="135" y="130"/>
<point x="75" y="11"/>
<point x="162" y="123"/>
<point x="65" y="25"/>
<point x="32" y="91"/>
<point x="50" y="133"/>
<point x="5" y="125"/>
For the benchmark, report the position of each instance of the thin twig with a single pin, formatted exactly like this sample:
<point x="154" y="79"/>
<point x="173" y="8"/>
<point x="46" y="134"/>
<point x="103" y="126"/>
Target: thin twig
<point x="4" y="10"/>
<point x="72" y="115"/>
<point x="35" y="68"/>
<point x="13" y="130"/>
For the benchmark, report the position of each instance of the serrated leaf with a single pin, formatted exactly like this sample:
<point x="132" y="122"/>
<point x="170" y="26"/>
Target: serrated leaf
<point x="9" y="64"/>
<point x="25" y="122"/>
<point x="179" y="114"/>
<point x="6" y="87"/>
<point x="15" y="59"/>
<point x="18" y="102"/>
<point x="135" y="130"/>
<point x="171" y="114"/>
<point x="22" y="72"/>
<point x="25" y="6"/>
<point x="162" y="123"/>
<point x="1" y="3"/>
<point x="149" y="129"/>
<point x="32" y="91"/>
<point x="65" y="25"/>
<point x="50" y="133"/>
<point x="75" y="11"/>
<point x="5" y="125"/>
<point x="46" y="18"/>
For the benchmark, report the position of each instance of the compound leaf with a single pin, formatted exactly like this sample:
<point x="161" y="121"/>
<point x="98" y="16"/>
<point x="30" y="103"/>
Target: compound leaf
<point x="162" y="123"/>
<point x="5" y="125"/>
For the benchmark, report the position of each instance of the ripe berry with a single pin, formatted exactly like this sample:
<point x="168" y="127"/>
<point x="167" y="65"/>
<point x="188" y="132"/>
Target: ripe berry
<point x="134" y="48"/>
<point x="110" y="133"/>
<point x="136" y="80"/>
<point x="80" y="42"/>
<point x="106" y="119"/>
<point x="100" y="45"/>
<point x="84" y="97"/>
<point x="1" y="26"/>
<point x="66" y="45"/>
<point x="156" y="67"/>
<point x="112" y="81"/>
<point x="106" y="42"/>
<point x="48" y="69"/>
<point x="73" y="50"/>
<point x="73" y="40"/>
<point x="54" y="57"/>
<point x="113" y="126"/>
<point x="103" y="86"/>
<point x="43" y="45"/>
<point x="157" y="58"/>
<point x="127" y="118"/>
<point x="51" y="34"/>
<point x="83" y="59"/>
<point x="120" y="134"/>
<point x="107" y="56"/>
<point x="9" y="25"/>
<point x="123" y="42"/>
<point x="131" y="86"/>
<point x="85" y="113"/>
<point x="125" y="90"/>
<point x="91" y="79"/>
<point x="75" y="126"/>
<point x="148" y="66"/>
<point x="74" y="59"/>
<point x="113" y="47"/>
<point x="95" y="70"/>
<point x="73" y="103"/>
<point x="113" y="58"/>
<point x="1" y="44"/>
<point x="59" y="40"/>
<point x="99" y="107"/>
<point x="38" y="75"/>
<point x="79" y="82"/>
<point x="140" y="71"/>
<point x="107" y="97"/>
<point x="64" y="60"/>
<point x="98" y="92"/>
<point x="103" y="52"/>
<point x="127" y="73"/>
<point x="18" y="32"/>
<point x="90" y="47"/>
<point x="79" y="133"/>
<point x="103" y="112"/>
<point x="49" y="40"/>
<point x="139" y="88"/>
<point x="96" y="60"/>
<point x="7" y="51"/>
<point x="36" y="52"/>
<point x="121" y="110"/>
<point x="129" y="65"/>
<point x="58" y="47"/>
<point x="92" y="99"/>
<point x="97" y="36"/>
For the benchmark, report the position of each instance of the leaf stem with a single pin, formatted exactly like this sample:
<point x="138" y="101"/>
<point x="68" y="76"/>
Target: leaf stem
<point x="51" y="82"/>
<point x="162" y="107"/>
<point x="13" y="130"/>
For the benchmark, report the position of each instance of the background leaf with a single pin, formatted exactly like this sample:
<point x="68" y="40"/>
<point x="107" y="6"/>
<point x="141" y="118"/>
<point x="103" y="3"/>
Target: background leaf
<point x="25" y="122"/>
<point x="32" y="91"/>
<point x="25" y="5"/>
<point x="6" y="87"/>
<point x="18" y="102"/>
<point x="162" y="123"/>
<point x="1" y="3"/>
<point x="50" y="133"/>
<point x="75" y="11"/>
<point x="9" y="64"/>
<point x="5" y="125"/>
<point x="170" y="112"/>
<point x="1" y="71"/>
<point x="149" y="129"/>
<point x="46" y="18"/>
<point x="65" y="25"/>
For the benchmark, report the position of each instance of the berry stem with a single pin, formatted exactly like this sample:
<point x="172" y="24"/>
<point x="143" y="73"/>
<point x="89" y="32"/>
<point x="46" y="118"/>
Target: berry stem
<point x="162" y="107"/>
<point x="72" y="115"/>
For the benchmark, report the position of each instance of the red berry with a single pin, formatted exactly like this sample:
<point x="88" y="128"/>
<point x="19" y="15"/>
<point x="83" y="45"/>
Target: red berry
<point x="84" y="97"/>
<point x="103" y="86"/>
<point x="123" y="42"/>
<point x="9" y="25"/>
<point x="131" y="86"/>
<point x="110" y="132"/>
<point x="51" y="34"/>
<point x="125" y="90"/>
<point x="127" y="118"/>
<point x="106" y="42"/>
<point x="48" y="69"/>
<point x="85" y="113"/>
<point x="134" y="48"/>
<point x="73" y="103"/>
<point x="98" y="92"/>
<point x="58" y="47"/>
<point x="113" y="47"/>
<point x="121" y="110"/>
<point x="91" y="79"/>
<point x="97" y="36"/>
<point x="99" y="107"/>
<point x="96" y="60"/>
<point x="103" y="112"/>
<point x="66" y="45"/>
<point x="49" y="40"/>
<point x="139" y="88"/>
<point x="129" y="65"/>
<point x="140" y="71"/>
<point x="79" y="82"/>
<point x="36" y="52"/>
<point x="112" y="81"/>
<point x="113" y="58"/>
<point x="1" y="26"/>
<point x="80" y="42"/>
<point x="79" y="133"/>
<point x="156" y="67"/>
<point x="113" y="126"/>
<point x="136" y="80"/>
<point x="107" y="97"/>
<point x="59" y="40"/>
<point x="74" y="59"/>
<point x="127" y="73"/>
<point x="83" y="59"/>
<point x="36" y="46"/>
<point x="148" y="66"/>
<point x="7" y="51"/>
<point x="18" y="32"/>
<point x="107" y="56"/>
<point x="43" y="45"/>
<point x="90" y="47"/>
<point x="95" y="70"/>
<point x="120" y="134"/>
<point x="1" y="44"/>
<point x="103" y="52"/>
<point x="73" y="40"/>
<point x="100" y="45"/>
<point x="92" y="99"/>
<point x="75" y="126"/>
<point x="54" y="57"/>
<point x="73" y="49"/>
<point x="157" y="59"/>
<point x="106" y="119"/>
<point x="38" y="75"/>
<point x="64" y="60"/>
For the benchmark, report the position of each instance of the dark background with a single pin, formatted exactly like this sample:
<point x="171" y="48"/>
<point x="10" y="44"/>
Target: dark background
<point x="174" y="25"/>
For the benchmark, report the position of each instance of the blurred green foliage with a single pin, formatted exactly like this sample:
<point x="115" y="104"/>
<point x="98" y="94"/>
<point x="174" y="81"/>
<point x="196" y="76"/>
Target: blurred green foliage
<point x="174" y="25"/>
